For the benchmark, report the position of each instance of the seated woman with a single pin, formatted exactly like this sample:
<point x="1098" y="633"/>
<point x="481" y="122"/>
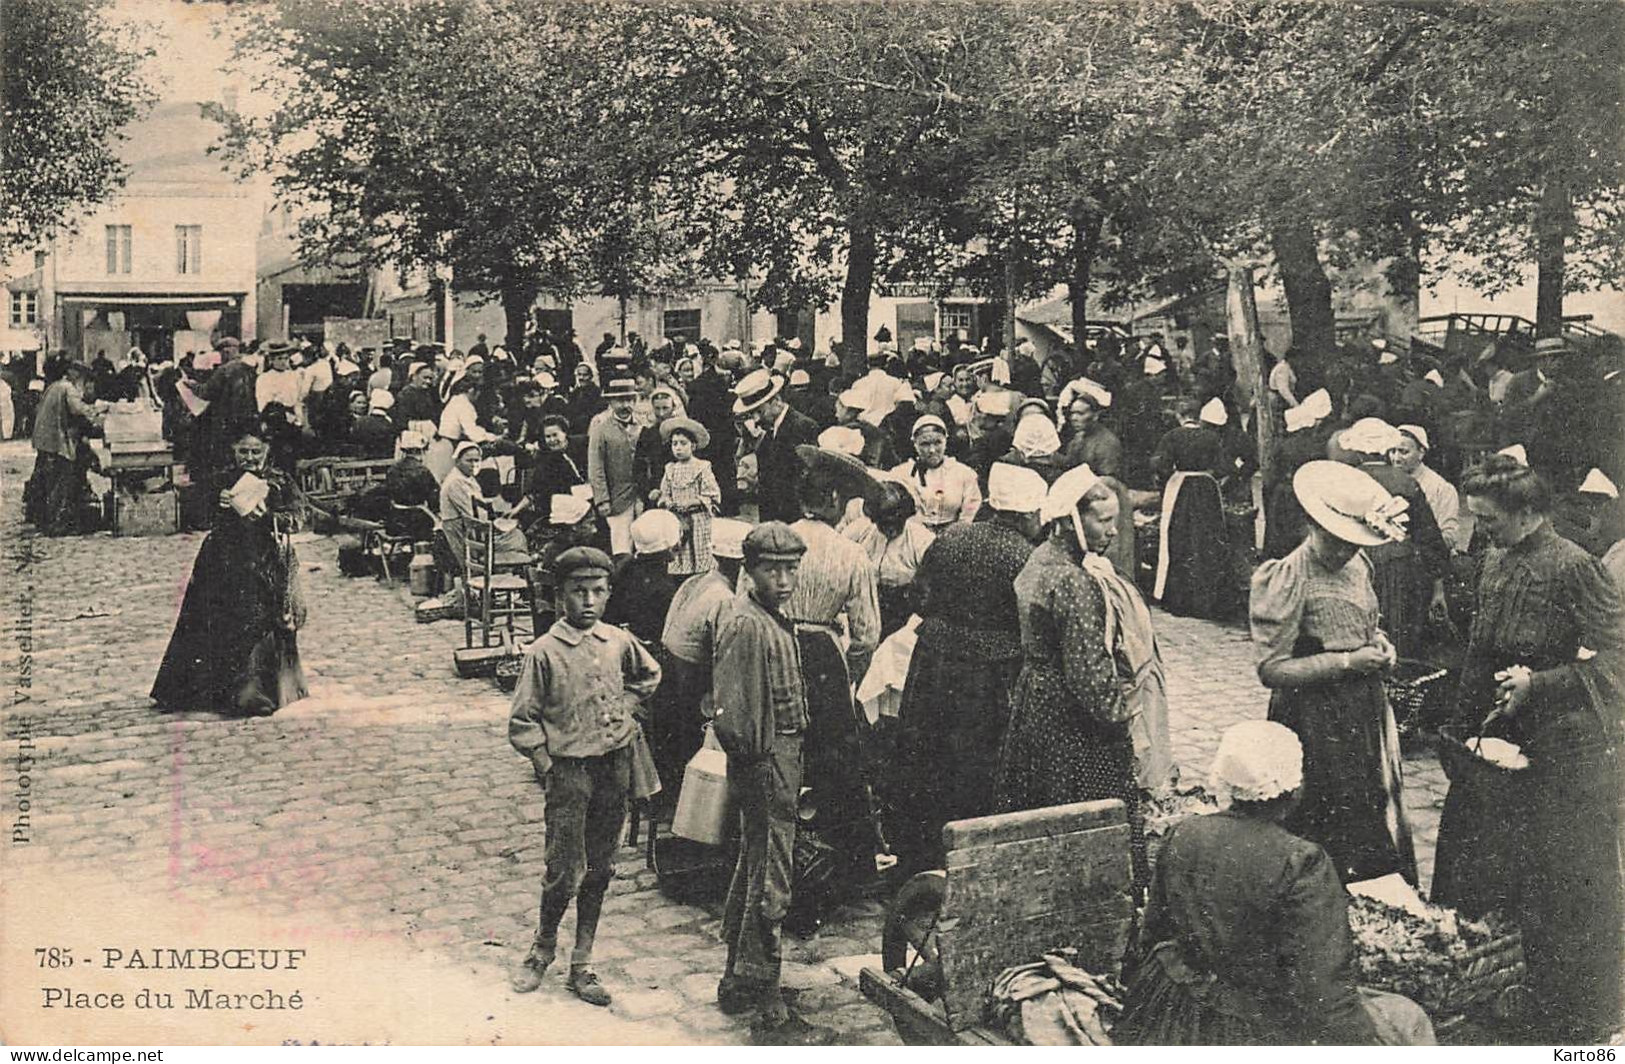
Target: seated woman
<point x="554" y="471"/>
<point x="234" y="648"/>
<point x="1246" y="938"/>
<point x="412" y="491"/>
<point x="462" y="502"/>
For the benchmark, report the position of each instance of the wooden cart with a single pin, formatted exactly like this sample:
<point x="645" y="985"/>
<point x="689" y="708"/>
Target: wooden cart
<point x="1017" y="885"/>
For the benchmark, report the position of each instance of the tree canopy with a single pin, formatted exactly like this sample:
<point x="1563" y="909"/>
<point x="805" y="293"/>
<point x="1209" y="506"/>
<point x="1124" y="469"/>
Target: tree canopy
<point x="72" y="81"/>
<point x="819" y="149"/>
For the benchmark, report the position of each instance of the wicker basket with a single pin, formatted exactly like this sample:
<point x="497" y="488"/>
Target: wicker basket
<point x="1485" y="973"/>
<point x="1416" y="691"/>
<point x="1461" y="765"/>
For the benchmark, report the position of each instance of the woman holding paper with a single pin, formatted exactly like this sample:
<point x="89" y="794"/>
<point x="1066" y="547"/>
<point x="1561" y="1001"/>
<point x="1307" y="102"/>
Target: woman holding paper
<point x="234" y="649"/>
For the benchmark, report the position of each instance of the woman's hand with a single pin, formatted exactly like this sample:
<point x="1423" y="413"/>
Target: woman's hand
<point x="1438" y="605"/>
<point x="1368" y="659"/>
<point x="1513" y="693"/>
<point x="1390" y="652"/>
<point x="225" y="498"/>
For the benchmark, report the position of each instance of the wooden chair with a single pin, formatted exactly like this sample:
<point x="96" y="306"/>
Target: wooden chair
<point x="494" y="595"/>
<point x="391" y="550"/>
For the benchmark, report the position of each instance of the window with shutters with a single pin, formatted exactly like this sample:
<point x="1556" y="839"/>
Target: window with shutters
<point x="118" y="249"/>
<point x="188" y="249"/>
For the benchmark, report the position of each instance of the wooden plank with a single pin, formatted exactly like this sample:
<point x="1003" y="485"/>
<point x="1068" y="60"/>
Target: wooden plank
<point x="919" y="1023"/>
<point x="1032" y="824"/>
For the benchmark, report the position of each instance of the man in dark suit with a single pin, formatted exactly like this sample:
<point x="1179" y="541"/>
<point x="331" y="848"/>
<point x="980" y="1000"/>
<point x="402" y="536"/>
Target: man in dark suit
<point x="711" y="402"/>
<point x="778" y="469"/>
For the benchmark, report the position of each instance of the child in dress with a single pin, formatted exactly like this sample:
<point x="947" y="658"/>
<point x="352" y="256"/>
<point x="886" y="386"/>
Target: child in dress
<point x="689" y="489"/>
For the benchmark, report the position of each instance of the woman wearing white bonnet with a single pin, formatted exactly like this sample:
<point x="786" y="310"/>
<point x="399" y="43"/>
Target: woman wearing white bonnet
<point x="1314" y="621"/>
<point x="1246" y="938"/>
<point x="1409" y="455"/>
<point x="1196" y="572"/>
<point x="1408" y="574"/>
<point x="1070" y="738"/>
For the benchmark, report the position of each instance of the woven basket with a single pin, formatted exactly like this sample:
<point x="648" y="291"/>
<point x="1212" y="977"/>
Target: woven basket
<point x="1485" y="972"/>
<point x="1416" y="691"/>
<point x="1462" y="765"/>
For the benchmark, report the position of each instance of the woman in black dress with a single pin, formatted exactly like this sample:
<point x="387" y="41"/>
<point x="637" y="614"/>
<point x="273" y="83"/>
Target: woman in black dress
<point x="956" y="700"/>
<point x="235" y="648"/>
<point x="1545" y="668"/>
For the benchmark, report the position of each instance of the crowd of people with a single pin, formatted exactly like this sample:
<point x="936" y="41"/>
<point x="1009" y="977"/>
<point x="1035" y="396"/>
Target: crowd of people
<point x="919" y="593"/>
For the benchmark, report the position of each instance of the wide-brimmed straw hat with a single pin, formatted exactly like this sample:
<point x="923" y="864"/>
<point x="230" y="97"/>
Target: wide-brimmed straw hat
<point x="1349" y="503"/>
<point x="757" y="387"/>
<point x="693" y="429"/>
<point x="849" y="475"/>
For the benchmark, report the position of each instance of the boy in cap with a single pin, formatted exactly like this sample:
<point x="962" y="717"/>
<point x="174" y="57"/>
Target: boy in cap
<point x="575" y="716"/>
<point x="761" y="716"/>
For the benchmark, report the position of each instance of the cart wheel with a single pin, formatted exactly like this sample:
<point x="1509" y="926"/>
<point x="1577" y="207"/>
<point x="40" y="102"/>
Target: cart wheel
<point x="910" y="933"/>
<point x="1513" y="1003"/>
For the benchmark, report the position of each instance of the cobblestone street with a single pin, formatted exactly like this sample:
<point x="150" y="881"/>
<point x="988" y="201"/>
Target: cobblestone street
<point x="384" y="822"/>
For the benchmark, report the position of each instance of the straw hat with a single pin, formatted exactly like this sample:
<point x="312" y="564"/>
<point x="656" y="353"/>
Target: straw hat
<point x="1349" y="503"/>
<point x="757" y="387"/>
<point x="849" y="475"/>
<point x="696" y="431"/>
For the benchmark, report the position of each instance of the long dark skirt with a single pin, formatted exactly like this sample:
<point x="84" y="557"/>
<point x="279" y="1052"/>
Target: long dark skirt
<point x="950" y="725"/>
<point x="1055" y="753"/>
<point x="1200" y="579"/>
<point x="676" y="723"/>
<point x="228" y="652"/>
<point x="1546" y="850"/>
<point x="834" y="751"/>
<point x="1351" y="776"/>
<point x="1404" y="589"/>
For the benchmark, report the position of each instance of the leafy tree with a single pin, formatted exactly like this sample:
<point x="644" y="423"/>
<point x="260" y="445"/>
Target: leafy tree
<point x="411" y="146"/>
<point x="826" y="131"/>
<point x="72" y="81"/>
<point x="1536" y="101"/>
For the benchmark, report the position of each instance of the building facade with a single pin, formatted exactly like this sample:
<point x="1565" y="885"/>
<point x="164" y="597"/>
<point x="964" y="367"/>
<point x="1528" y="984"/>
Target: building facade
<point x="167" y="265"/>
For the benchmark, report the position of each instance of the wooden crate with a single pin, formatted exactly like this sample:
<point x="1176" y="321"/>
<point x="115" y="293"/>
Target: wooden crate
<point x="1021" y="884"/>
<point x="154" y="513"/>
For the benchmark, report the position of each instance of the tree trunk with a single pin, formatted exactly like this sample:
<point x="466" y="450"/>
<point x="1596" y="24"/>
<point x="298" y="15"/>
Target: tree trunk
<point x="517" y="301"/>
<point x="1405" y="278"/>
<point x="1252" y="367"/>
<point x="1085" y="239"/>
<point x="855" y="294"/>
<point x="1308" y="291"/>
<point x="1007" y="339"/>
<point x="1553" y="220"/>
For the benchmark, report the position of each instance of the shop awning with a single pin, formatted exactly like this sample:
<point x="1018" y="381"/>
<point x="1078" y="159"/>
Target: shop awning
<point x="131" y="301"/>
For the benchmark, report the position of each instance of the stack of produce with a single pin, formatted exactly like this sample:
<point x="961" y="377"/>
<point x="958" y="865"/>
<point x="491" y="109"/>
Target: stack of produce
<point x="1162" y="811"/>
<point x="1440" y="959"/>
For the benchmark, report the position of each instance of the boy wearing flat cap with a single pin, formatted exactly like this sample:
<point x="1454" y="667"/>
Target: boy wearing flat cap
<point x="761" y="716"/>
<point x="573" y="716"/>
